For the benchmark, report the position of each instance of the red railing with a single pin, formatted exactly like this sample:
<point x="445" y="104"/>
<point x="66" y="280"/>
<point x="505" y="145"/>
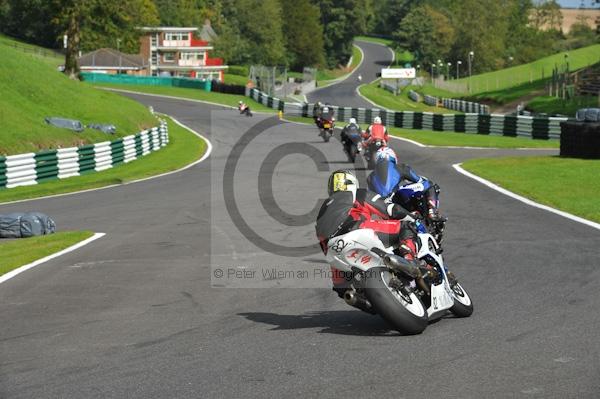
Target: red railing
<point x="214" y="61"/>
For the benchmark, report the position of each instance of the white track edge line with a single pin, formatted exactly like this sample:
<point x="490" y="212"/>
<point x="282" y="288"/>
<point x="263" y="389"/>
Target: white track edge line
<point x="459" y="169"/>
<point x="209" y="148"/>
<point x="38" y="262"/>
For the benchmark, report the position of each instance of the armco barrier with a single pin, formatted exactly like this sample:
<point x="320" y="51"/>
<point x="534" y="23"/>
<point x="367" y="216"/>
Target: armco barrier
<point x="539" y="128"/>
<point x="465" y="106"/>
<point x="431" y="100"/>
<point x="413" y="95"/>
<point x="33" y="168"/>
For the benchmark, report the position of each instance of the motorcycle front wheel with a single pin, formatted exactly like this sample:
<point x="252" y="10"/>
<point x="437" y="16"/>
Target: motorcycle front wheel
<point x="325" y="135"/>
<point x="463" y="306"/>
<point x="400" y="307"/>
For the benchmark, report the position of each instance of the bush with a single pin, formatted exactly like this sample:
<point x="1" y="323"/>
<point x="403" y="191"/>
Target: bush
<point x="239" y="70"/>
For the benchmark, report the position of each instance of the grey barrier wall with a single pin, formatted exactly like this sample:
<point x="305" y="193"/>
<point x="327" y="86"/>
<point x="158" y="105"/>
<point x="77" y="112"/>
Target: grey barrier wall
<point x="512" y="126"/>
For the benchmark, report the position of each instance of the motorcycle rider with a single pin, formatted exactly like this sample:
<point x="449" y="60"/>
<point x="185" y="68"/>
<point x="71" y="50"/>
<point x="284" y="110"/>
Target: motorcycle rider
<point x="350" y="208"/>
<point x="243" y="108"/>
<point x="352" y="128"/>
<point x="376" y="131"/>
<point x="317" y="112"/>
<point x="408" y="174"/>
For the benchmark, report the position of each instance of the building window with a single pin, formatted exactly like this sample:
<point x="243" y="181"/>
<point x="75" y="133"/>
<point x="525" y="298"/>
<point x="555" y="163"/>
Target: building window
<point x="176" y="36"/>
<point x="169" y="57"/>
<point x="191" y="56"/>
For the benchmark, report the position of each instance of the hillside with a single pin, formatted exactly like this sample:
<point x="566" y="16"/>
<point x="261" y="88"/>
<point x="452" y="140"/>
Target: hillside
<point x="532" y="71"/>
<point x="32" y="89"/>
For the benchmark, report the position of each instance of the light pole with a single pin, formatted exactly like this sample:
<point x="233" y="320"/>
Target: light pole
<point x="458" y="64"/>
<point x="471" y="56"/>
<point x="448" y="70"/>
<point x="418" y="69"/>
<point x="432" y="66"/>
<point x="119" y="51"/>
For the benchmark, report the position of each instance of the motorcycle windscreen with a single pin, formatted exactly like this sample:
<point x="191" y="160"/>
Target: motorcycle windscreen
<point x="384" y="179"/>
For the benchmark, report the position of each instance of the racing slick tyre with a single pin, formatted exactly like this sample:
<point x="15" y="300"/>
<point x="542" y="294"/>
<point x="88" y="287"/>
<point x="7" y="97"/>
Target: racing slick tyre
<point x="400" y="307"/>
<point x="463" y="306"/>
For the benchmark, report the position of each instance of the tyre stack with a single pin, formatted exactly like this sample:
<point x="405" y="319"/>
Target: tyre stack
<point x="580" y="138"/>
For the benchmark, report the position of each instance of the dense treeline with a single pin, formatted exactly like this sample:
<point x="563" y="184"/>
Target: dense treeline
<point x="301" y="33"/>
<point x="499" y="32"/>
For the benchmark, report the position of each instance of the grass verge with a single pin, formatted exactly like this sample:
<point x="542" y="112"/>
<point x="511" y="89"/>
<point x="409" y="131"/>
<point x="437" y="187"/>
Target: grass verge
<point x="17" y="253"/>
<point x="184" y="148"/>
<point x="401" y="102"/>
<point x="553" y="105"/>
<point x="231" y="100"/>
<point x="30" y="90"/>
<point x="571" y="185"/>
<point x="446" y="139"/>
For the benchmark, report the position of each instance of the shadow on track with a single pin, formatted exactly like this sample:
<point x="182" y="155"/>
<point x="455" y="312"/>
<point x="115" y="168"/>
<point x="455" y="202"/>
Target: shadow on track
<point x="343" y="322"/>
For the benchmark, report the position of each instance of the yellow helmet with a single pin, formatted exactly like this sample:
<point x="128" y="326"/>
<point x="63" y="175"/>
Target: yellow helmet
<point x="342" y="180"/>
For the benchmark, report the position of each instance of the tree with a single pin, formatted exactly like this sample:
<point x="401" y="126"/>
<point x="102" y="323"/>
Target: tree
<point x="426" y="33"/>
<point x="90" y="24"/>
<point x="183" y="12"/>
<point x="303" y="33"/>
<point x="341" y="21"/>
<point x="28" y="20"/>
<point x="546" y="14"/>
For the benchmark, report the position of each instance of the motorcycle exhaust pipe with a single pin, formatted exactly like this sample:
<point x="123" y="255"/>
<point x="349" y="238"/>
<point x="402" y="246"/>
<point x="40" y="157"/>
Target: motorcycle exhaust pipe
<point x="399" y="264"/>
<point x="350" y="297"/>
<point x="355" y="300"/>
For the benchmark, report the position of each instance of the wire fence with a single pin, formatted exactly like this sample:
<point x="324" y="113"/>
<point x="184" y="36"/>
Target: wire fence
<point x="40" y="51"/>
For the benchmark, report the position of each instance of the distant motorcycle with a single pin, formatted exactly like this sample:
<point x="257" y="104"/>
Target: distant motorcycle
<point x="245" y="110"/>
<point x="326" y="127"/>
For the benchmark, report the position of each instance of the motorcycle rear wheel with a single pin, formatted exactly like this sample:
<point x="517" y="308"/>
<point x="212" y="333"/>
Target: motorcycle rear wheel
<point x="402" y="309"/>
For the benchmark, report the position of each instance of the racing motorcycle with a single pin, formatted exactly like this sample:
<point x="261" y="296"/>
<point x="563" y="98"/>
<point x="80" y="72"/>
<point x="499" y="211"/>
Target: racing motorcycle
<point x="371" y="150"/>
<point x="326" y="127"/>
<point x="385" y="181"/>
<point x="351" y="145"/>
<point x="384" y="283"/>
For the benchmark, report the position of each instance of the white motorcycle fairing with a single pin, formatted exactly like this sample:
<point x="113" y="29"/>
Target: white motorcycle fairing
<point x="353" y="249"/>
<point x="441" y="294"/>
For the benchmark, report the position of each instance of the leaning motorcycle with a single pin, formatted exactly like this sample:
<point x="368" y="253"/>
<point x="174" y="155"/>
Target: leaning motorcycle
<point x="385" y="181"/>
<point x="405" y="295"/>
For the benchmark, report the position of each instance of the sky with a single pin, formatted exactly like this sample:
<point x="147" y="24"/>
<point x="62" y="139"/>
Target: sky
<point x="576" y="3"/>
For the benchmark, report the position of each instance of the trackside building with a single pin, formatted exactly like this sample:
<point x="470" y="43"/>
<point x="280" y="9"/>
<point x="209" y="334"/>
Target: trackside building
<point x="172" y="51"/>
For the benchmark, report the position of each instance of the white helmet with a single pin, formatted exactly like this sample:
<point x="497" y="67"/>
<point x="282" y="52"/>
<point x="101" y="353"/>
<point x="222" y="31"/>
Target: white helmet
<point x="240" y="102"/>
<point x="325" y="110"/>
<point x="377" y="120"/>
<point x="352" y="120"/>
<point x="386" y="153"/>
<point x="342" y="180"/>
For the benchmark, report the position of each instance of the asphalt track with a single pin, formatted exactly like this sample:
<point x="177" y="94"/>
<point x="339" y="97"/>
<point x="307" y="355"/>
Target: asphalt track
<point x="134" y="314"/>
<point x="375" y="57"/>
